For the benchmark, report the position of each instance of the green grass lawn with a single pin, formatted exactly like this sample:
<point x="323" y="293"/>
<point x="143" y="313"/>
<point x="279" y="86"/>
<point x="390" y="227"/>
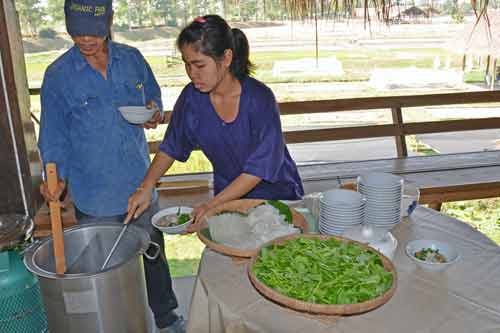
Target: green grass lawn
<point x="183" y="254"/>
<point x="484" y="215"/>
<point x="357" y="65"/>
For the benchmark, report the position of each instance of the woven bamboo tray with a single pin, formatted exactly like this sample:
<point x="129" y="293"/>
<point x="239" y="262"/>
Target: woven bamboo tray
<point x="242" y="206"/>
<point x="327" y="309"/>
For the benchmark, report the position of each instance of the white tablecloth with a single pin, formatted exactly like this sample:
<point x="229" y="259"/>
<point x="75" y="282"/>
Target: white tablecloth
<point x="463" y="299"/>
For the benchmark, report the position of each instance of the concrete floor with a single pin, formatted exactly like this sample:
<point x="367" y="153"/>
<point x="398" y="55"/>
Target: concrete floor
<point x="183" y="288"/>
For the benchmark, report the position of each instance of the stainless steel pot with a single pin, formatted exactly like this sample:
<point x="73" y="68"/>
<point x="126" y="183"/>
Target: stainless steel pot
<point x="86" y="299"/>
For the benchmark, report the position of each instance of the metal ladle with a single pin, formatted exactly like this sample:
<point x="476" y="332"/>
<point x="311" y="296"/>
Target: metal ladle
<point x="115" y="245"/>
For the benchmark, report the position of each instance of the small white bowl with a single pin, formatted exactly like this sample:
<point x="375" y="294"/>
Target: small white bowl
<point x="380" y="181"/>
<point x="176" y="229"/>
<point x="342" y="198"/>
<point x="136" y="114"/>
<point x="447" y="250"/>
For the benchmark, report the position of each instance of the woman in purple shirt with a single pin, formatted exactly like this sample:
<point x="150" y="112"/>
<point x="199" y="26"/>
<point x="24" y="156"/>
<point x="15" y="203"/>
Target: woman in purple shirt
<point x="231" y="117"/>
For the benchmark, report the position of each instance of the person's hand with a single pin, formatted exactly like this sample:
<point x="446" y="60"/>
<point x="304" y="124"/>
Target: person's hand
<point x="157" y="117"/>
<point x="56" y="196"/>
<point x="138" y="202"/>
<point x="198" y="214"/>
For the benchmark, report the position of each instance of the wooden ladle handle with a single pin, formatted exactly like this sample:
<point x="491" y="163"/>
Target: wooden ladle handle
<point x="55" y="220"/>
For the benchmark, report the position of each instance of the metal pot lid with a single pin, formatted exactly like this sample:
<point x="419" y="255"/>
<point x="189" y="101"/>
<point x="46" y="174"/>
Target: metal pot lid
<point x="14" y="228"/>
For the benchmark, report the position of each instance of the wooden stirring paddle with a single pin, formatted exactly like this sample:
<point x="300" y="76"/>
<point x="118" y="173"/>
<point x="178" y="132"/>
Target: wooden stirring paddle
<point x="55" y="220"/>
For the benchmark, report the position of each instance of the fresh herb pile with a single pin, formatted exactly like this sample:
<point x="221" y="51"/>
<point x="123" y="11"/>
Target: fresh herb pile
<point x="430" y="255"/>
<point x="183" y="218"/>
<point x="322" y="271"/>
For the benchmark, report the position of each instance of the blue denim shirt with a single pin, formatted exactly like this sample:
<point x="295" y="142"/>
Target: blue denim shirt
<point x="102" y="157"/>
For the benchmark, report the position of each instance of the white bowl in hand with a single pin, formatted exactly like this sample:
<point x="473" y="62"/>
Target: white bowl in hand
<point x="137" y="114"/>
<point x="448" y="251"/>
<point x="162" y="218"/>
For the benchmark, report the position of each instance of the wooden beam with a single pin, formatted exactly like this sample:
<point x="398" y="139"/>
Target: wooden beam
<point x="20" y="169"/>
<point x="451" y="126"/>
<point x="34" y="91"/>
<point x="342" y="133"/>
<point x="459" y="192"/>
<point x="388" y="102"/>
<point x="397" y="119"/>
<point x="436" y="206"/>
<point x="396" y="130"/>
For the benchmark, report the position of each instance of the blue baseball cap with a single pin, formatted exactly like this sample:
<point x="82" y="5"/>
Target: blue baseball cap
<point x="88" y="17"/>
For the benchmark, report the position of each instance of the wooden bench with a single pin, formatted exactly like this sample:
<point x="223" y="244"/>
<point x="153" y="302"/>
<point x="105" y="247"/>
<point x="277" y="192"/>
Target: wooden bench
<point x="441" y="178"/>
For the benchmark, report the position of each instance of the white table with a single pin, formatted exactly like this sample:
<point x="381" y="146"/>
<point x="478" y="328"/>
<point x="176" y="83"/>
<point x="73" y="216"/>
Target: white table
<point x="463" y="299"/>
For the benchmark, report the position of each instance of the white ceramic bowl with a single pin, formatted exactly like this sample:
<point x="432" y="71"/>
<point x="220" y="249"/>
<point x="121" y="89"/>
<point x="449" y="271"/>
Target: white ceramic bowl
<point x="342" y="198"/>
<point x="380" y="181"/>
<point x="446" y="249"/>
<point x="177" y="229"/>
<point x="136" y="114"/>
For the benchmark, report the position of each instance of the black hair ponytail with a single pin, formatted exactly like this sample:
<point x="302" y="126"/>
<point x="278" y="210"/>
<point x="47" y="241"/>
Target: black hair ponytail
<point x="211" y="35"/>
<point x="241" y="65"/>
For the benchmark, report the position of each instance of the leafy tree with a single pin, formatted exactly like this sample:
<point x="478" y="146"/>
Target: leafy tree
<point x="122" y="15"/>
<point x="31" y="15"/>
<point x="55" y="10"/>
<point x="166" y="10"/>
<point x="138" y="12"/>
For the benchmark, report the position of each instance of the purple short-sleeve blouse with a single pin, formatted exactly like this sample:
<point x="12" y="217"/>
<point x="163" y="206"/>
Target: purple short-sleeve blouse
<point x="252" y="143"/>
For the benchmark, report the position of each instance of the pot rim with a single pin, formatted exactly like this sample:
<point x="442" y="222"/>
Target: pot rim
<point x="34" y="268"/>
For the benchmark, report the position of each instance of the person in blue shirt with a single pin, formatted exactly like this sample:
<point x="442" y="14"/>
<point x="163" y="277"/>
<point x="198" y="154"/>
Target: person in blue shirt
<point x="233" y="118"/>
<point x="100" y="157"/>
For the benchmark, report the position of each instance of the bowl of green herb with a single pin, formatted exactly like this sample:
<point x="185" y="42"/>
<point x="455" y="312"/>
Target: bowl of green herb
<point x="323" y="274"/>
<point x="173" y="220"/>
<point x="432" y="255"/>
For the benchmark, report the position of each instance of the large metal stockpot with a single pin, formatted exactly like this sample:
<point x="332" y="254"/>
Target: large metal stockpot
<point x="86" y="299"/>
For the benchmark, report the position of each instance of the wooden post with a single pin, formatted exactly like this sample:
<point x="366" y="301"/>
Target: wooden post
<point x="20" y="167"/>
<point x="488" y="59"/>
<point x="397" y="119"/>
<point x="436" y="206"/>
<point x="55" y="219"/>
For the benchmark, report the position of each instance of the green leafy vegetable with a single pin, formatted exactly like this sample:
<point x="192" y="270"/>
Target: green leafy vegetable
<point x="430" y="255"/>
<point x="183" y="218"/>
<point x="323" y="271"/>
<point x="282" y="208"/>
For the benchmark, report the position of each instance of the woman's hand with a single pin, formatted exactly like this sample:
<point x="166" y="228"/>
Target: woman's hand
<point x="197" y="214"/>
<point x="56" y="196"/>
<point x="157" y="117"/>
<point x="139" y="202"/>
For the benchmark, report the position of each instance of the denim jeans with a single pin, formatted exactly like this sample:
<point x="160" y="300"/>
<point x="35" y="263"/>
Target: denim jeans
<point x="161" y="297"/>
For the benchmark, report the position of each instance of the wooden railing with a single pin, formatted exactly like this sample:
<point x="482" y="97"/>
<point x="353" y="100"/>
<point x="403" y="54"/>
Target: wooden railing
<point x="395" y="104"/>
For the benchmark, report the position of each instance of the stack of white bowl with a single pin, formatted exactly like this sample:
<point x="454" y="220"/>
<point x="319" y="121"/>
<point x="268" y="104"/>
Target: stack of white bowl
<point x="383" y="199"/>
<point x="340" y="210"/>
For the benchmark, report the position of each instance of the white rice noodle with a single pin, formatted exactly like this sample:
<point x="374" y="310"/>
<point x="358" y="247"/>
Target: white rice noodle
<point x="263" y="224"/>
